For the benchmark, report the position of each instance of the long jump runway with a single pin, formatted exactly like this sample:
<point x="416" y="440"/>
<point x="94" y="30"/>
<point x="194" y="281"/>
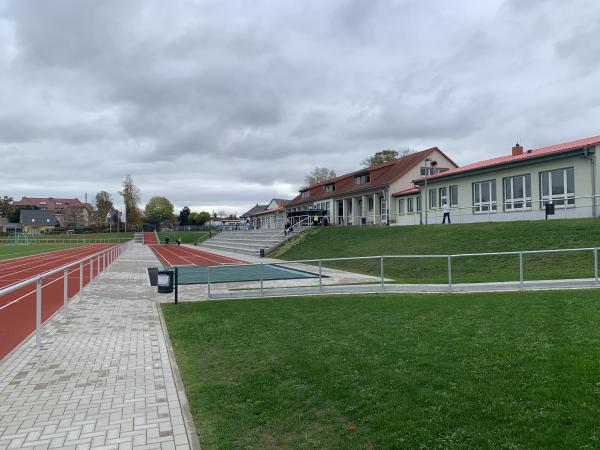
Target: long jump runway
<point x="17" y="309"/>
<point x="174" y="255"/>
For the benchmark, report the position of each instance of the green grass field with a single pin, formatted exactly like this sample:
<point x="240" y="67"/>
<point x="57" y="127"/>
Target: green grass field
<point x="334" y="242"/>
<point x="506" y="370"/>
<point x="187" y="237"/>
<point x="8" y="251"/>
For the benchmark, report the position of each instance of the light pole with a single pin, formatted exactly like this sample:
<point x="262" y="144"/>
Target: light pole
<point x="424" y="205"/>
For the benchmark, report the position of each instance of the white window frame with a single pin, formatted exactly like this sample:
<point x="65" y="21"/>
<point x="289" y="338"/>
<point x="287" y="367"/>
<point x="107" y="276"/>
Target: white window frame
<point x="509" y="201"/>
<point x="443" y="196"/>
<point x="305" y="194"/>
<point x="432" y="198"/>
<point x="567" y="198"/>
<point x="479" y="205"/>
<point x="363" y="179"/>
<point x="409" y="206"/>
<point x="455" y="202"/>
<point x="400" y="206"/>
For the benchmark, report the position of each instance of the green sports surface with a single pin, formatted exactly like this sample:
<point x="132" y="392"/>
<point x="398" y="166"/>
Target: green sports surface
<point x="237" y="273"/>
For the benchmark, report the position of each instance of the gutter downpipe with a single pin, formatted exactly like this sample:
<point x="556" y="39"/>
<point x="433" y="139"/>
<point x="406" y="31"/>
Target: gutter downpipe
<point x="592" y="159"/>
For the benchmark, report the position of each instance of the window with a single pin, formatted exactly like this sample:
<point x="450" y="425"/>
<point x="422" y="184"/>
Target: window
<point x="432" y="170"/>
<point x="454" y="195"/>
<point x="329" y="187"/>
<point x="443" y="195"/>
<point x="363" y="179"/>
<point x="401" y="206"/>
<point x="370" y="203"/>
<point x="409" y="205"/>
<point x="418" y="204"/>
<point x="305" y="194"/>
<point x="484" y="196"/>
<point x="432" y="198"/>
<point x="517" y="192"/>
<point x="558" y="187"/>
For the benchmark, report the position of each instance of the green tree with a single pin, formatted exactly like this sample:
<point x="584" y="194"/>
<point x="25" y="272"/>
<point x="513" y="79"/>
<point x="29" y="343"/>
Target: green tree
<point x="158" y="209"/>
<point x="6" y="206"/>
<point x="184" y="216"/>
<point x="103" y="206"/>
<point x="131" y="200"/>
<point x="203" y="217"/>
<point x="385" y="156"/>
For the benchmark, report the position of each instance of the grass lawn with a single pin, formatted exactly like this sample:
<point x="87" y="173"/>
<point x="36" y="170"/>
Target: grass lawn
<point x="334" y="242"/>
<point x="505" y="370"/>
<point x="114" y="237"/>
<point x="187" y="237"/>
<point x="16" y="251"/>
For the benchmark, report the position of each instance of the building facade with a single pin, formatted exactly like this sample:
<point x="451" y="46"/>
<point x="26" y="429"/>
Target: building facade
<point x="70" y="212"/>
<point x="513" y="187"/>
<point x="365" y="196"/>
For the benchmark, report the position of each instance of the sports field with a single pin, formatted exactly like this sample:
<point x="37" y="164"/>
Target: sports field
<point x="17" y="309"/>
<point x="336" y="242"/>
<point x="506" y="370"/>
<point x="174" y="255"/>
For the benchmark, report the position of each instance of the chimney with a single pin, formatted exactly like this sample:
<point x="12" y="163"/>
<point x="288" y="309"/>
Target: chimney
<point x="517" y="150"/>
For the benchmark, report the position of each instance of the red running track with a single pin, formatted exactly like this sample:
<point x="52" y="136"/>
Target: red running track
<point x="174" y="255"/>
<point x="17" y="309"/>
<point x="150" y="238"/>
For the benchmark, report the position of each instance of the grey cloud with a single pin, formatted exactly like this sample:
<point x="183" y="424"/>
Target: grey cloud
<point x="228" y="102"/>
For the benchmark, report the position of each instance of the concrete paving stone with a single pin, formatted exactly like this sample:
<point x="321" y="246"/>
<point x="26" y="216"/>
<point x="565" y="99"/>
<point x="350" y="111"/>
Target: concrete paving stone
<point x="107" y="365"/>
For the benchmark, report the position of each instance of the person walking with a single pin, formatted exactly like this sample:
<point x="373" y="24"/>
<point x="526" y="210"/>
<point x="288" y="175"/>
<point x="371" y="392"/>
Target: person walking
<point x="446" y="210"/>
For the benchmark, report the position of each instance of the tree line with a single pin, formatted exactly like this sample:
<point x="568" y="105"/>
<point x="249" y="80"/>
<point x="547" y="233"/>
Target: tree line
<point x="159" y="210"/>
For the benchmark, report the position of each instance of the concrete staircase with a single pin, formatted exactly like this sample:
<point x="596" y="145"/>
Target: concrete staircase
<point x="138" y="238"/>
<point x="247" y="242"/>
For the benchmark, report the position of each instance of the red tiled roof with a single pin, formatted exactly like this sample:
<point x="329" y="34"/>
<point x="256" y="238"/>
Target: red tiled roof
<point x="526" y="155"/>
<point x="268" y="211"/>
<point x="408" y="191"/>
<point x="381" y="175"/>
<point x="50" y="203"/>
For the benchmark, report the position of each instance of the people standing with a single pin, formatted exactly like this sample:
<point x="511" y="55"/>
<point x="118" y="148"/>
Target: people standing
<point x="446" y="210"/>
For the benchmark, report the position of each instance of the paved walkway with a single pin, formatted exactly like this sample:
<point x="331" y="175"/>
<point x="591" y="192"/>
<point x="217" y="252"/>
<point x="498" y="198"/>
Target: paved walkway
<point x="103" y="378"/>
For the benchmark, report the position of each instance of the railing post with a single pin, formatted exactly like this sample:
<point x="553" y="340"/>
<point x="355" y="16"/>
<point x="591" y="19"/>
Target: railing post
<point x="91" y="269"/>
<point x="320" y="278"/>
<point x="596" y="266"/>
<point x="521" y="277"/>
<point x="262" y="292"/>
<point x="381" y="271"/>
<point x="66" y="292"/>
<point x="208" y="280"/>
<point x="450" y="273"/>
<point x="81" y="278"/>
<point x="38" y="313"/>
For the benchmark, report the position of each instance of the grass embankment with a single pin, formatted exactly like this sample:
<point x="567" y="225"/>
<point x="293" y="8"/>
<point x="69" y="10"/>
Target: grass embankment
<point x="8" y="251"/>
<point x="510" y="370"/>
<point x="335" y="242"/>
<point x="187" y="237"/>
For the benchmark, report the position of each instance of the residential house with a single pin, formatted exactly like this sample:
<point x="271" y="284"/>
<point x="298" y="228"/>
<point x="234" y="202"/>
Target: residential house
<point x="37" y="221"/>
<point x="70" y="212"/>
<point x="272" y="216"/>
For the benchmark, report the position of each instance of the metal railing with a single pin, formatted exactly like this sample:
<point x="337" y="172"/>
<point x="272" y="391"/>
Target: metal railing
<point x="103" y="259"/>
<point x="56" y="240"/>
<point x="380" y="284"/>
<point x="458" y="214"/>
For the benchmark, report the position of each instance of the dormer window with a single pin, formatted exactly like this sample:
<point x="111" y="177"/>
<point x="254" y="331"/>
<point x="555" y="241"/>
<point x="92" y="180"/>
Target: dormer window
<point x="329" y="187"/>
<point x="363" y="178"/>
<point x="305" y="194"/>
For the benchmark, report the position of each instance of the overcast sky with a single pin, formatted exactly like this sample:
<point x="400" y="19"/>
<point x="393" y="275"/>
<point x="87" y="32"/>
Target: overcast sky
<point x="222" y="104"/>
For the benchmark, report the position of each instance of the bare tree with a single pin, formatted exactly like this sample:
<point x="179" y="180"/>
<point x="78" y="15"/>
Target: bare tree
<point x="318" y="175"/>
<point x="386" y="155"/>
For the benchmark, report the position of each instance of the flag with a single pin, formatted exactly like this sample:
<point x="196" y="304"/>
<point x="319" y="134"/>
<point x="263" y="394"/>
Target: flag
<point x="124" y="214"/>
